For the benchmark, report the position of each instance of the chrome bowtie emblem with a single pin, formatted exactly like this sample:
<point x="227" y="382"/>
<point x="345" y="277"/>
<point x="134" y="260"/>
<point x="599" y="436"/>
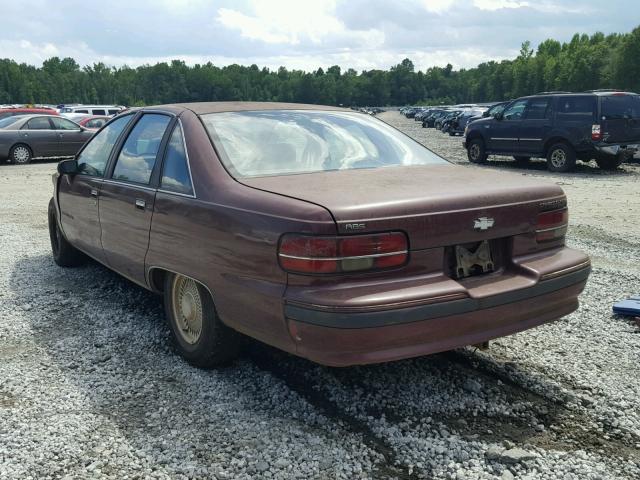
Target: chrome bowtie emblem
<point x="483" y="223"/>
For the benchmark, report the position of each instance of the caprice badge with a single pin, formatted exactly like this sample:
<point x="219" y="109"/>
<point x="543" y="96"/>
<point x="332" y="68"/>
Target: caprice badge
<point x="483" y="223"/>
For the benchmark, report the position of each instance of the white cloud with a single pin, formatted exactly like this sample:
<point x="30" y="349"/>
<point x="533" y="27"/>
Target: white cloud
<point x="293" y="22"/>
<point x="438" y="6"/>
<point x="492" y="5"/>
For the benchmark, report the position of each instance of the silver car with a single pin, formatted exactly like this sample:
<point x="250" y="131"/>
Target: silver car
<point x="25" y="137"/>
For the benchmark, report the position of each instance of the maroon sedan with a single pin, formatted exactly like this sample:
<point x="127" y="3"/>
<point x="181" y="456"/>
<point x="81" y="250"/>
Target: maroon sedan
<point x="321" y="231"/>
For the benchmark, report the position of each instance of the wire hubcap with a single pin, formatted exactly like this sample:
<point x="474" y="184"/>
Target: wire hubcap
<point x="21" y="154"/>
<point x="187" y="309"/>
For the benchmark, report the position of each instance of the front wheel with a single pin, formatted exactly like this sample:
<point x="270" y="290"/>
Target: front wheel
<point x="198" y="333"/>
<point x="561" y="158"/>
<point x="20" y="154"/>
<point x="64" y="254"/>
<point x="476" y="151"/>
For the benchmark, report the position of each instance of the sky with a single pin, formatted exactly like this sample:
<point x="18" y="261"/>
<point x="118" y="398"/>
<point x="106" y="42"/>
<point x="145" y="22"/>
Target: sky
<point x="303" y="34"/>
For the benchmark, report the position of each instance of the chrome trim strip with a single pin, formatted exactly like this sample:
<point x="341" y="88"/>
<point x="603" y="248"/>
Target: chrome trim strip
<point x="500" y="138"/>
<point x="532" y="139"/>
<point x="169" y="192"/>
<point x="566" y="225"/>
<point x="186" y="153"/>
<point x="130" y="185"/>
<point x="565" y="271"/>
<point x="356" y="257"/>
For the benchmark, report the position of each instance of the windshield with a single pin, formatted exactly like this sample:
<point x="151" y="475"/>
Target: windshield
<point x="6" y="121"/>
<point x="621" y="106"/>
<point x="285" y="142"/>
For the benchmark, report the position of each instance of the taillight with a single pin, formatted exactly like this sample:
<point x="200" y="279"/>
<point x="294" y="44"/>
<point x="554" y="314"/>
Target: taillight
<point x="308" y="254"/>
<point x="596" y="132"/>
<point x="552" y="225"/>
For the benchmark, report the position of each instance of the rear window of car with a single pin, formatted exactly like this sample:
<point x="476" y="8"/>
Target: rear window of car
<point x="286" y="142"/>
<point x="8" y="120"/>
<point x="621" y="106"/>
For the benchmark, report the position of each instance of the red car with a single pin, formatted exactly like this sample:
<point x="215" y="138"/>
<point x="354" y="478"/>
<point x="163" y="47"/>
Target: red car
<point x="321" y="231"/>
<point x="92" y="122"/>
<point x="10" y="112"/>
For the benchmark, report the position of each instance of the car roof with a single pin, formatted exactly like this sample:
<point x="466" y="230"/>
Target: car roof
<point x="599" y="93"/>
<point x="203" y="108"/>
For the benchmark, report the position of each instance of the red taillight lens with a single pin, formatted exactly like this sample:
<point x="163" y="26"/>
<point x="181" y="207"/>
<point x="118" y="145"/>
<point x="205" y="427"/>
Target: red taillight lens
<point x="552" y="225"/>
<point x="596" y="132"/>
<point x="307" y="254"/>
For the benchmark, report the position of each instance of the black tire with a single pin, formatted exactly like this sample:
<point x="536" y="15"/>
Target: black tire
<point x="20" y="154"/>
<point x="64" y="254"/>
<point x="216" y="344"/>
<point x="561" y="158"/>
<point x="521" y="160"/>
<point x="476" y="152"/>
<point x="610" y="162"/>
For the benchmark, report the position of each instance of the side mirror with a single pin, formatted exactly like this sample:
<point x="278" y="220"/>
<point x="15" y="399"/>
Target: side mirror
<point x="485" y="114"/>
<point x="499" y="116"/>
<point x="68" y="167"/>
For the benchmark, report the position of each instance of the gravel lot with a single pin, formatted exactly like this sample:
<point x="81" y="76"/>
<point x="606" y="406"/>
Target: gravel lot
<point x="90" y="387"/>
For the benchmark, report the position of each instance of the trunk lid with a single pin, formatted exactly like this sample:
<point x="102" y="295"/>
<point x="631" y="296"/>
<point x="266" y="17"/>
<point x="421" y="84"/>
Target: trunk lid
<point x="620" y="117"/>
<point x="436" y="205"/>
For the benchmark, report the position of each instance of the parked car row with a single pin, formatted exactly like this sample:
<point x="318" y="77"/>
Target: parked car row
<point x="562" y="127"/>
<point x="43" y="131"/>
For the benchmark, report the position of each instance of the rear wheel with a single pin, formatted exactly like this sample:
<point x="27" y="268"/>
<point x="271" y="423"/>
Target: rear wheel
<point x="561" y="158"/>
<point x="610" y="162"/>
<point x="198" y="333"/>
<point x="476" y="151"/>
<point x="64" y="254"/>
<point x="20" y="154"/>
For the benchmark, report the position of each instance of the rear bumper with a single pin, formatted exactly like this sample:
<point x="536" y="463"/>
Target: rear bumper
<point x="350" y="338"/>
<point x="615" y="149"/>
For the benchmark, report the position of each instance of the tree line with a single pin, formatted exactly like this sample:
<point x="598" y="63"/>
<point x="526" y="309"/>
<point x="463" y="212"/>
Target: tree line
<point x="586" y="62"/>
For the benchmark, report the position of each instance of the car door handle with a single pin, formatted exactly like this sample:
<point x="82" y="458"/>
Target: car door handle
<point x="94" y="193"/>
<point x="140" y="203"/>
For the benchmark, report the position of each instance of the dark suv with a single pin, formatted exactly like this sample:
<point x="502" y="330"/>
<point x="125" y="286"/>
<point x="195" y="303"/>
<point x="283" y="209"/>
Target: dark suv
<point x="561" y="127"/>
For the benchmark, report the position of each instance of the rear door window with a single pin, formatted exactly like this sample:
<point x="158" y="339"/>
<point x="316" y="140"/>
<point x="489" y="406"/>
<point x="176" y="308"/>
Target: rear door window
<point x="577" y="108"/>
<point x="98" y="112"/>
<point x="621" y="107"/>
<point x="64" y="124"/>
<point x="93" y="158"/>
<point x="139" y="152"/>
<point x="175" y="171"/>
<point x="538" y="108"/>
<point x="39" y="123"/>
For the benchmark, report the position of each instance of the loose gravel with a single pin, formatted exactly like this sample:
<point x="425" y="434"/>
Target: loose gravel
<point x="91" y="388"/>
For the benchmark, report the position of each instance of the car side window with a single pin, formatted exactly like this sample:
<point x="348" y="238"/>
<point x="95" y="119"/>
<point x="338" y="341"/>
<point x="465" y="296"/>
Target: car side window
<point x="538" y="109"/>
<point x="64" y="124"/>
<point x="576" y="108"/>
<point x="98" y="112"/>
<point x="175" y="171"/>
<point x="138" y="155"/>
<point x="93" y="158"/>
<point x="515" y="110"/>
<point x="39" y="123"/>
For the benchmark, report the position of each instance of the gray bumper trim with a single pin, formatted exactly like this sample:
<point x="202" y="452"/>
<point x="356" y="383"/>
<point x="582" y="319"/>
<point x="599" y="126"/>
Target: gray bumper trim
<point x="427" y="312"/>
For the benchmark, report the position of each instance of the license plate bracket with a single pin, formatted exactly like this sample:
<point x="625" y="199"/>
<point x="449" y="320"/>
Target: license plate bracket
<point x="473" y="262"/>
